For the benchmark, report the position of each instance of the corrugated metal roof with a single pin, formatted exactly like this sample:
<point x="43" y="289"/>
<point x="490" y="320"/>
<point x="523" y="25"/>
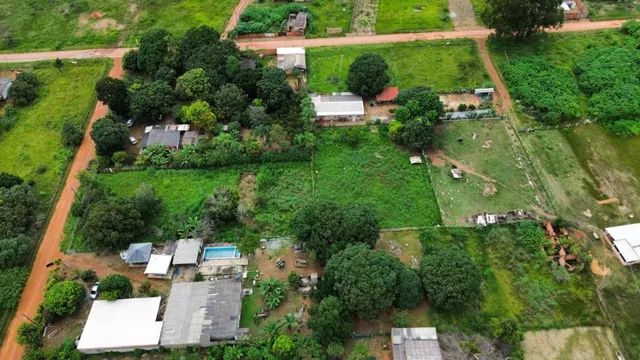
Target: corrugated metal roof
<point x="139" y="253"/>
<point x="187" y="252"/>
<point x="415" y="344"/>
<point x="626" y="238"/>
<point x="338" y="104"/>
<point x="158" y="264"/>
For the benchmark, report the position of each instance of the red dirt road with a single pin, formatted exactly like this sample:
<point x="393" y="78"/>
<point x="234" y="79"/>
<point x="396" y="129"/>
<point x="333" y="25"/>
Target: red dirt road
<point x="50" y="247"/>
<point x="235" y="17"/>
<point x="501" y="98"/>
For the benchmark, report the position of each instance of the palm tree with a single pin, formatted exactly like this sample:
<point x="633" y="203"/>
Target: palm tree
<point x="290" y="321"/>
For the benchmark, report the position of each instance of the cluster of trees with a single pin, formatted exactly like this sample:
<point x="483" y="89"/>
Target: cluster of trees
<point x="548" y="92"/>
<point x="420" y="110"/>
<point x="24" y="89"/>
<point x="264" y="19"/>
<point x="522" y="18"/>
<point x="109" y="222"/>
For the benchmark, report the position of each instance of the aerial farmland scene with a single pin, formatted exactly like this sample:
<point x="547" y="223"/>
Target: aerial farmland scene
<point x="319" y="179"/>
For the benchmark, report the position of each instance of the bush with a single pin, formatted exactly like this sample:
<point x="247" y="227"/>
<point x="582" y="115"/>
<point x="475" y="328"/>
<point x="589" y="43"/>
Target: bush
<point x="530" y="236"/>
<point x="550" y="93"/>
<point x="8" y="180"/>
<point x="112" y="224"/>
<point x="11" y="284"/>
<point x="409" y="289"/>
<point x="64" y="297"/>
<point x="23" y="92"/>
<point x="620" y="102"/>
<point x="222" y="205"/>
<point x="30" y="334"/>
<point x="88" y="276"/>
<point x="294" y="280"/>
<point x="71" y="135"/>
<point x="115" y="286"/>
<point x="109" y="135"/>
<point x="603" y="68"/>
<point x="130" y="61"/>
<point x="273" y="292"/>
<point x="330" y="321"/>
<point x="261" y="19"/>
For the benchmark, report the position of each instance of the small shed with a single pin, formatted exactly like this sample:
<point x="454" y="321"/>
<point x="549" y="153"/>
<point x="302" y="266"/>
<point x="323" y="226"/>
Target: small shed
<point x="388" y="95"/>
<point x="297" y="23"/>
<point x="415" y="344"/>
<point x="291" y="58"/>
<point x="625" y="242"/>
<point x="138" y="254"/>
<point x="484" y="93"/>
<point x="456" y="173"/>
<point x="158" y="266"/>
<point x="187" y="252"/>
<point x="415" y="160"/>
<point x="5" y="84"/>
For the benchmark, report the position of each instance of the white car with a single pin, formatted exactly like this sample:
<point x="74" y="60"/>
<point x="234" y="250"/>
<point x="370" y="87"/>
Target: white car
<point x="130" y="122"/>
<point x="133" y="140"/>
<point x="93" y="293"/>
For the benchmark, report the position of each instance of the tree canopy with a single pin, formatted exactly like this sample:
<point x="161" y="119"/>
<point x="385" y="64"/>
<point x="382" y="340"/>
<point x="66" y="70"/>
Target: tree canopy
<point x="112" y="224"/>
<point x="64" y="297"/>
<point x="364" y="279"/>
<point x="229" y="102"/>
<point x="14" y="251"/>
<point x="522" y="18"/>
<point x="199" y="114"/>
<point x="115" y="286"/>
<point x="368" y="75"/>
<point x="193" y="85"/>
<point x="330" y="321"/>
<point x="326" y="228"/>
<point x="410" y="291"/>
<point x="114" y="93"/>
<point x="274" y="89"/>
<point x="18" y="208"/>
<point x="151" y="100"/>
<point x="24" y="89"/>
<point x="154" y="46"/>
<point x="109" y="135"/>
<point x="450" y="277"/>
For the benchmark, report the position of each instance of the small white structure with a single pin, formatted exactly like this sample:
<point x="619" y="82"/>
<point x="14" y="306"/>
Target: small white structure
<point x="158" y="266"/>
<point x="291" y="58"/>
<point x="187" y="252"/>
<point x="122" y="326"/>
<point x="415" y="344"/>
<point x="338" y="106"/>
<point x="415" y="160"/>
<point x="484" y="92"/>
<point x="625" y="242"/>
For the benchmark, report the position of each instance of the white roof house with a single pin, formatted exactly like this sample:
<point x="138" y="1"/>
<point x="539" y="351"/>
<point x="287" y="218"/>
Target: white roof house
<point x="343" y="104"/>
<point x="122" y="325"/>
<point x="625" y="242"/>
<point x="187" y="252"/>
<point x="158" y="265"/>
<point x="415" y="344"/>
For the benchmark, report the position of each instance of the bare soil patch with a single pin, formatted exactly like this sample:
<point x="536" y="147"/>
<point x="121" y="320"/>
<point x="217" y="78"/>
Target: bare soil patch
<point x="96" y="22"/>
<point x="580" y="343"/>
<point x="452" y="101"/>
<point x="599" y="269"/>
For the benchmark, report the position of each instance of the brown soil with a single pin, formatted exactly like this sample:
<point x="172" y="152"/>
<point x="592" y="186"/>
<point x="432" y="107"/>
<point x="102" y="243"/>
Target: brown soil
<point x="235" y="16"/>
<point x="378" y="111"/>
<point x="501" y="97"/>
<point x="50" y="247"/>
<point x="599" y="269"/>
<point x="463" y="15"/>
<point x="452" y="101"/>
<point x="438" y="157"/>
<point x="489" y="189"/>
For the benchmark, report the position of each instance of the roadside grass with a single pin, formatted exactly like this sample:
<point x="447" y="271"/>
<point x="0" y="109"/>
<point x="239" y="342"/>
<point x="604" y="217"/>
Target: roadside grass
<point x="491" y="154"/>
<point x="64" y="24"/>
<point x="610" y="10"/>
<point x="478" y="8"/>
<point x="33" y="148"/>
<point x="412" y="16"/>
<point x="377" y="172"/>
<point x="446" y="66"/>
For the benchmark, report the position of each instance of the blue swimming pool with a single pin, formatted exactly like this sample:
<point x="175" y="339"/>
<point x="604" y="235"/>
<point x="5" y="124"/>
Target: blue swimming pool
<point x="221" y="252"/>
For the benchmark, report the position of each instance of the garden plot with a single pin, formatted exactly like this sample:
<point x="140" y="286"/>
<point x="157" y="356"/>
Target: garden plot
<point x="446" y="66"/>
<point x="612" y="10"/>
<point x="493" y="180"/>
<point x="412" y="16"/>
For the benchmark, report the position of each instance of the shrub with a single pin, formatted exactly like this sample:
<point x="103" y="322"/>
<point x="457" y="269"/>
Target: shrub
<point x="294" y="280"/>
<point x="602" y="68"/>
<point x="330" y="321"/>
<point x="620" y="102"/>
<point x="260" y="19"/>
<point x="30" y="334"/>
<point x="273" y="291"/>
<point x="409" y="289"/>
<point x="115" y="287"/>
<point x="14" y="251"/>
<point x="71" y="135"/>
<point x="112" y="224"/>
<point x="11" y="284"/>
<point x="24" y="89"/>
<point x="64" y="297"/>
<point x="530" y="236"/>
<point x="88" y="276"/>
<point x="8" y="180"/>
<point x="222" y="205"/>
<point x="130" y="61"/>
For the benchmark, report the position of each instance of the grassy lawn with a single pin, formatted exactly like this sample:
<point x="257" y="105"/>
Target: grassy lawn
<point x="396" y="16"/>
<point x="329" y="14"/>
<point x="610" y="10"/>
<point x="446" y="66"/>
<point x="376" y="172"/>
<point x="47" y="25"/>
<point x="491" y="154"/>
<point x="33" y="148"/>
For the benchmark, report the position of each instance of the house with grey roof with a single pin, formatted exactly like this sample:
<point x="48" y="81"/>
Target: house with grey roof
<point x="187" y="252"/>
<point x="415" y="344"/>
<point x="290" y="59"/>
<point x="342" y="106"/>
<point x="5" y="84"/>
<point x="161" y="136"/>
<point x="202" y="313"/>
<point x="297" y="23"/>
<point x="138" y="254"/>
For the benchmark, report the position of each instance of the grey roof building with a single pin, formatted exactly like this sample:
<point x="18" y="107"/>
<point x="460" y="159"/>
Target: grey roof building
<point x="202" y="313"/>
<point x="415" y="344"/>
<point x="291" y="58"/>
<point x="161" y="136"/>
<point x="297" y="22"/>
<point x="5" y="84"/>
<point x="338" y="105"/>
<point x="138" y="253"/>
<point x="187" y="252"/>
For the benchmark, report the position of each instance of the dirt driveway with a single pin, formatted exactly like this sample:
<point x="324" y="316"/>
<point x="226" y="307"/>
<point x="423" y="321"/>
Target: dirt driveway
<point x="50" y="247"/>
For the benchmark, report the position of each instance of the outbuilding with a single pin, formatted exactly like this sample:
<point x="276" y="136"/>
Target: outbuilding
<point x="158" y="266"/>
<point x="388" y="95"/>
<point x="187" y="252"/>
<point x="5" y="84"/>
<point x="625" y="242"/>
<point x="290" y="59"/>
<point x="415" y="344"/>
<point x="138" y="254"/>
<point x="122" y="326"/>
<point x="343" y="106"/>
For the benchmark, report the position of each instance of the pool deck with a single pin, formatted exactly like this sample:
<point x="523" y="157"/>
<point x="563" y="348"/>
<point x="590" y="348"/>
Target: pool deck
<point x="223" y="266"/>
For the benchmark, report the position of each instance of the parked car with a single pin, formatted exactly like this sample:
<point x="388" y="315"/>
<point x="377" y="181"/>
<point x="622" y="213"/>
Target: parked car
<point x="93" y="293"/>
<point x="130" y="122"/>
<point x="133" y="140"/>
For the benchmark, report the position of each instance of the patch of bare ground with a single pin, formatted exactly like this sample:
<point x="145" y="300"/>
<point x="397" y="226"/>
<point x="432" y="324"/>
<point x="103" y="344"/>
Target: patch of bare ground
<point x="452" y="101"/>
<point x="599" y="269"/>
<point x="96" y="23"/>
<point x="365" y="13"/>
<point x="580" y="343"/>
<point x="456" y="346"/>
<point x="463" y="15"/>
<point x="248" y="198"/>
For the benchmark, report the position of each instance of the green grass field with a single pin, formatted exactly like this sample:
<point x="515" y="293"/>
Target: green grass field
<point x="491" y="154"/>
<point x="444" y="65"/>
<point x="375" y="172"/>
<point x="33" y="148"/>
<point x="48" y="25"/>
<point x="396" y="16"/>
<point x="329" y="14"/>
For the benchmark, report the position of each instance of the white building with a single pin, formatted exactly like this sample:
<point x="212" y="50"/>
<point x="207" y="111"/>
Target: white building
<point x="625" y="242"/>
<point x="122" y="326"/>
<point x="338" y="106"/>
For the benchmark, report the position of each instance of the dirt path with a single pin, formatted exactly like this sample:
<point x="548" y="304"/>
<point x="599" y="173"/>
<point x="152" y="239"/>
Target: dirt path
<point x="501" y="97"/>
<point x="438" y="157"/>
<point x="463" y="15"/>
<point x="235" y="17"/>
<point x="50" y="247"/>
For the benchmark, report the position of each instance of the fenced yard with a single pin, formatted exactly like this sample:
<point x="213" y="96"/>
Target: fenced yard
<point x="412" y="16"/>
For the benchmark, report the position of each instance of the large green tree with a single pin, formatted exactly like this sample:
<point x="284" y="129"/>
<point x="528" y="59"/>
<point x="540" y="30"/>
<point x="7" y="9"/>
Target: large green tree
<point x="450" y="277"/>
<point x="112" y="224"/>
<point x="115" y="286"/>
<point x="522" y="18"/>
<point x="64" y="297"/>
<point x="114" y="93"/>
<point x="150" y="101"/>
<point x="109" y="135"/>
<point x="147" y="202"/>
<point x="229" y="102"/>
<point x="193" y="85"/>
<point x="199" y="114"/>
<point x="194" y="39"/>
<point x="368" y="75"/>
<point x="153" y="49"/>
<point x="18" y="209"/>
<point x="14" y="251"/>
<point x="330" y="321"/>
<point x="364" y="279"/>
<point x="326" y="228"/>
<point x="274" y="89"/>
<point x="410" y="292"/>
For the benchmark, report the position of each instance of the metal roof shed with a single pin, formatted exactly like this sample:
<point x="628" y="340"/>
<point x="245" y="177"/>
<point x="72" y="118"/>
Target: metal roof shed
<point x="122" y="325"/>
<point x="415" y="344"/>
<point x="139" y="253"/>
<point x="625" y="242"/>
<point x="158" y="265"/>
<point x="338" y="104"/>
<point x="187" y="252"/>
